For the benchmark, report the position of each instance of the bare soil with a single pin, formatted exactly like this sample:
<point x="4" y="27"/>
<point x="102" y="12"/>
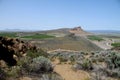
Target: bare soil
<point x="66" y="71"/>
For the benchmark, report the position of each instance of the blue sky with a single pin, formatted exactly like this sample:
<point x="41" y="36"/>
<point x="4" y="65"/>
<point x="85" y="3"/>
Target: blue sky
<point x="53" y="14"/>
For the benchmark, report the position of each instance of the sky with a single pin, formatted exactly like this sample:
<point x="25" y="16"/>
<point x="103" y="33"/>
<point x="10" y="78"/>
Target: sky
<point x="53" y="14"/>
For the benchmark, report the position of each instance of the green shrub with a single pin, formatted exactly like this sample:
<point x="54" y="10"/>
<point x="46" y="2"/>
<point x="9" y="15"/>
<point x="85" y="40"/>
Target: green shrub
<point x="23" y="60"/>
<point x="72" y="59"/>
<point x="85" y="64"/>
<point x="39" y="65"/>
<point x="113" y="72"/>
<point x="14" y="71"/>
<point x="40" y="52"/>
<point x="2" y="75"/>
<point x="113" y="61"/>
<point x="62" y="59"/>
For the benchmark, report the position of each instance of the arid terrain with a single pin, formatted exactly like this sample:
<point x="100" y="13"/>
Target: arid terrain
<point x="62" y="54"/>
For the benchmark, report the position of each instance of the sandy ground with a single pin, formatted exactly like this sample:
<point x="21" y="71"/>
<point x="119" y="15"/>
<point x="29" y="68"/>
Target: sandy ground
<point x="68" y="73"/>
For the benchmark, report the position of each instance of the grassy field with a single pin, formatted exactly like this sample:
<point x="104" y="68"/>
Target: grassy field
<point x="38" y="36"/>
<point x="117" y="44"/>
<point x="97" y="38"/>
<point x="30" y="36"/>
<point x="6" y="34"/>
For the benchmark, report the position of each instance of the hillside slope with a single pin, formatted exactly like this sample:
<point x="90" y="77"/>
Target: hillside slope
<point x="69" y="43"/>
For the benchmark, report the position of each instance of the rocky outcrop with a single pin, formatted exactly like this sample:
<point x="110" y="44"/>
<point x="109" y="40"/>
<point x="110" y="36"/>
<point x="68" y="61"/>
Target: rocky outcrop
<point x="12" y="49"/>
<point x="79" y="31"/>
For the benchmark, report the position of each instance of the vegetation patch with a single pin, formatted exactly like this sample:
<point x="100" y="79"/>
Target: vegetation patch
<point x="97" y="38"/>
<point x="38" y="65"/>
<point x="102" y="65"/>
<point x="6" y="34"/>
<point x="117" y="44"/>
<point x="2" y="74"/>
<point x="38" y="36"/>
<point x="33" y="54"/>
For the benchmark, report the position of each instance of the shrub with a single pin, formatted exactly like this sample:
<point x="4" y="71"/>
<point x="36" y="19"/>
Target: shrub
<point x="40" y="52"/>
<point x="14" y="71"/>
<point x="85" y="64"/>
<point x="113" y="61"/>
<point x="39" y="65"/>
<point x="98" y="76"/>
<point x="51" y="76"/>
<point x="2" y="75"/>
<point x="62" y="59"/>
<point x="113" y="72"/>
<point x="67" y="56"/>
<point x="23" y="61"/>
<point x="72" y="59"/>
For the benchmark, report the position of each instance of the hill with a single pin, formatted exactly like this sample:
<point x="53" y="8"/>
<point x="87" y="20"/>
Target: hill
<point x="78" y="31"/>
<point x="65" y="38"/>
<point x="68" y="43"/>
<point x="69" y="39"/>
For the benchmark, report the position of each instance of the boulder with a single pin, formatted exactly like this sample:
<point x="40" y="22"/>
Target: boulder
<point x="11" y="49"/>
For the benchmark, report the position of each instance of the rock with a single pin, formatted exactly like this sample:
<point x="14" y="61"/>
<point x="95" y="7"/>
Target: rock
<point x="78" y="31"/>
<point x="12" y="49"/>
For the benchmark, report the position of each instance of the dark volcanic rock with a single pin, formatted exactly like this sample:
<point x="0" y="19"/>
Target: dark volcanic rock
<point x="11" y="49"/>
